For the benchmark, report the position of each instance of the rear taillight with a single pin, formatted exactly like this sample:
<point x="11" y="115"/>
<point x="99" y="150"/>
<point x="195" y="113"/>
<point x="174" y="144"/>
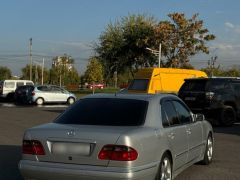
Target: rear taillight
<point x="33" y="93"/>
<point x="33" y="147"/>
<point x="117" y="153"/>
<point x="209" y="95"/>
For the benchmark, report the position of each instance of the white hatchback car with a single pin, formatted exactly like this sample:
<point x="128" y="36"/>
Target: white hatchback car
<point x="51" y="94"/>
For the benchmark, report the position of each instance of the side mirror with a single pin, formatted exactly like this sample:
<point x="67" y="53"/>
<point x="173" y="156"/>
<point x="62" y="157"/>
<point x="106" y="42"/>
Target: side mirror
<point x="199" y="117"/>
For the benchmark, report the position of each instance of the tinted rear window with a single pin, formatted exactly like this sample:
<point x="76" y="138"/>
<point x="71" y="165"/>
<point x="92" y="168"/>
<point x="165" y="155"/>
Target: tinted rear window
<point x="198" y="85"/>
<point x="139" y="84"/>
<point x="23" y="88"/>
<point x="106" y="112"/>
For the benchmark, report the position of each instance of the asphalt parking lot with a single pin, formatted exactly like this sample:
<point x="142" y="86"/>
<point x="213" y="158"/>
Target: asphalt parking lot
<point x="15" y="119"/>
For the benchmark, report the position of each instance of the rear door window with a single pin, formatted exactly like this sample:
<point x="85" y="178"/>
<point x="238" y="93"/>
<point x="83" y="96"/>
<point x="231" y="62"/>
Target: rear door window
<point x="217" y="84"/>
<point x="139" y="84"/>
<point x="9" y="85"/>
<point x="29" y="83"/>
<point x="20" y="84"/>
<point x="198" y="85"/>
<point x="183" y="113"/>
<point x="171" y="114"/>
<point x="105" y="112"/>
<point x="43" y="88"/>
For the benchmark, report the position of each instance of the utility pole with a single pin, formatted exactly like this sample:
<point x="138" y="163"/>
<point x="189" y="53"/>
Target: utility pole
<point x="42" y="70"/>
<point x="211" y="64"/>
<point x="30" y="59"/>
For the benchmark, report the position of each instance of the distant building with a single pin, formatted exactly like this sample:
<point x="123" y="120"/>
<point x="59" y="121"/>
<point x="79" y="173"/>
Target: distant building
<point x="65" y="61"/>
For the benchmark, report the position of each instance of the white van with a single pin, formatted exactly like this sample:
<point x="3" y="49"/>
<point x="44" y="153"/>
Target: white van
<point x="8" y="87"/>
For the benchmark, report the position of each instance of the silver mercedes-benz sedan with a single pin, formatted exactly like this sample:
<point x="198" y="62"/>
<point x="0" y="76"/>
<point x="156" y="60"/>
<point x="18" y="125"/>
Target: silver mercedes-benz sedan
<point x="118" y="136"/>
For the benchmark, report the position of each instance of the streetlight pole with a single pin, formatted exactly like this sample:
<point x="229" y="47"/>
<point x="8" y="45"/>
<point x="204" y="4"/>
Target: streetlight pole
<point x="157" y="53"/>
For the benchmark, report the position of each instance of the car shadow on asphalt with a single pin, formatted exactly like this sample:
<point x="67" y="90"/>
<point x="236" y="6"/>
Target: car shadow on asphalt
<point x="234" y="130"/>
<point x="9" y="157"/>
<point x="59" y="111"/>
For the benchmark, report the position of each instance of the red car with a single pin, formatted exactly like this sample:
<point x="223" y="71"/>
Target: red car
<point x="96" y="86"/>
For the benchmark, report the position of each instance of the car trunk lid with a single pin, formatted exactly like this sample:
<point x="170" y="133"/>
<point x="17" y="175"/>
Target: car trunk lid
<point x="74" y="144"/>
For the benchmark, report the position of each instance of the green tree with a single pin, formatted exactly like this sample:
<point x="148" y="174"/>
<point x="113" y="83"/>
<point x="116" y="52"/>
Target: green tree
<point x="63" y="72"/>
<point x="36" y="74"/>
<point x="5" y="73"/>
<point x="218" y="71"/>
<point x="182" y="38"/>
<point x="123" y="44"/>
<point x="94" y="71"/>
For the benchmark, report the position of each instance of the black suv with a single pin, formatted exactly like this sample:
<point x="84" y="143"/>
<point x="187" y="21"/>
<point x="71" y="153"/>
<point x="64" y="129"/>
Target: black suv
<point x="218" y="98"/>
<point x="23" y="94"/>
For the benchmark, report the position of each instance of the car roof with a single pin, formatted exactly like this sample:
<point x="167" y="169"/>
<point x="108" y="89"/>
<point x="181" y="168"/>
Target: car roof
<point x="212" y="78"/>
<point x="145" y="97"/>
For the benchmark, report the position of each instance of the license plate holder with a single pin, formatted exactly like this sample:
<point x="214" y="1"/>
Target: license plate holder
<point x="69" y="148"/>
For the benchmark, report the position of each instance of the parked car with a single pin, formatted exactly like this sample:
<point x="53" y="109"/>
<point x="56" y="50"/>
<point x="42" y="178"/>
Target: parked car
<point x="95" y="86"/>
<point x="8" y="87"/>
<point x="118" y="136"/>
<point x="161" y="80"/>
<point x="23" y="94"/>
<point x="51" y="94"/>
<point x="218" y="98"/>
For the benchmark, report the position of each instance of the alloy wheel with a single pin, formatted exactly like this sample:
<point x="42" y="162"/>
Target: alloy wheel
<point x="210" y="149"/>
<point x="166" y="169"/>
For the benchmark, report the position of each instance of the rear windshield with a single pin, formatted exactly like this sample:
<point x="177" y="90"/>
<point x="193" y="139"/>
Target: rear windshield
<point x="139" y="84"/>
<point x="198" y="85"/>
<point x="106" y="112"/>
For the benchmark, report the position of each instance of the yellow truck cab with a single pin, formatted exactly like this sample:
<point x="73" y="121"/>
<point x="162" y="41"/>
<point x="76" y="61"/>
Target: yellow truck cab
<point x="161" y="80"/>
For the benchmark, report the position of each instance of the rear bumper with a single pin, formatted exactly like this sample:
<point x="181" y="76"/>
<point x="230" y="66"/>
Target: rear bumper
<point x="34" y="170"/>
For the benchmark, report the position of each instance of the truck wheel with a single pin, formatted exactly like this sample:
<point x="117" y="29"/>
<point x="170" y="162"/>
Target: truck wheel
<point x="228" y="116"/>
<point x="10" y="97"/>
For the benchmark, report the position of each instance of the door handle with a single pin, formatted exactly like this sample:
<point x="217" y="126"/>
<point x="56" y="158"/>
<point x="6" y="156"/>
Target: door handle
<point x="171" y="135"/>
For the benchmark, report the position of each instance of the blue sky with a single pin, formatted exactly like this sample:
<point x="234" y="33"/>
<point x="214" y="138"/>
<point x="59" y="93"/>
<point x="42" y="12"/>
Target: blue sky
<point x="71" y="26"/>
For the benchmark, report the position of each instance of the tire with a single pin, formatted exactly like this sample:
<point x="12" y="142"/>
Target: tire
<point x="10" y="97"/>
<point x="40" y="101"/>
<point x="208" y="154"/>
<point x="228" y="116"/>
<point x="70" y="100"/>
<point x="165" y="168"/>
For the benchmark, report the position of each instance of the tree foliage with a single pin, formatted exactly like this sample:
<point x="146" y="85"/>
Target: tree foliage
<point x="36" y="74"/>
<point x="94" y="71"/>
<point x="182" y="38"/>
<point x="218" y="71"/>
<point x="63" y="72"/>
<point x="123" y="44"/>
<point x="5" y="73"/>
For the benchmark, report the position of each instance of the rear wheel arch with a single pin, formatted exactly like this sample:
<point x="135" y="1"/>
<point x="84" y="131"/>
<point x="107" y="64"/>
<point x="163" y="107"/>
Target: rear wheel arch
<point x="227" y="115"/>
<point x="232" y="104"/>
<point x="71" y="100"/>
